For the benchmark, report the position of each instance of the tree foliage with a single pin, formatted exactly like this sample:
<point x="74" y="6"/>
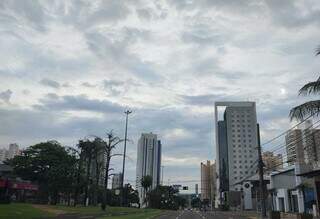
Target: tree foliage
<point x="309" y="108"/>
<point x="165" y="197"/>
<point x="49" y="164"/>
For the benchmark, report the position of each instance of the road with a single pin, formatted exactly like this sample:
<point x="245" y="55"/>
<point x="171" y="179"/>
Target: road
<point x="186" y="214"/>
<point x="193" y="214"/>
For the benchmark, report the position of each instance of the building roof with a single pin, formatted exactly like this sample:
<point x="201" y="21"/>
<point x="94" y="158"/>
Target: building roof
<point x="285" y="170"/>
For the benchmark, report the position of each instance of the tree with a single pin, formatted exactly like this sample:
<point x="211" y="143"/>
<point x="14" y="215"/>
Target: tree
<point x="50" y="165"/>
<point x="310" y="108"/>
<point x="109" y="145"/>
<point x="146" y="183"/>
<point x="165" y="197"/>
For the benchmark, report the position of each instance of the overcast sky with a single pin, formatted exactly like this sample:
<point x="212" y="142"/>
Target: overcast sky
<point x="70" y="68"/>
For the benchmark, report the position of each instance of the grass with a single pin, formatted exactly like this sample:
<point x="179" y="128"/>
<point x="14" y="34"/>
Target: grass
<point x="112" y="212"/>
<point x="146" y="214"/>
<point x="28" y="211"/>
<point x="95" y="210"/>
<point x="22" y="211"/>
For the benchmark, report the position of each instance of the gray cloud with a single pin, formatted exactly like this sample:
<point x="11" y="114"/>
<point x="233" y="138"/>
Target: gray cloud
<point x="29" y="13"/>
<point x="79" y="102"/>
<point x="89" y="85"/>
<point x="168" y="61"/>
<point x="6" y="95"/>
<point x="50" y="83"/>
<point x="201" y="100"/>
<point x="288" y="13"/>
<point x="113" y="87"/>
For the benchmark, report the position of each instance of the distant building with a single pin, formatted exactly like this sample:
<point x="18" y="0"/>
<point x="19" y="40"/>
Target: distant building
<point x="13" y="150"/>
<point x="148" y="161"/>
<point x="303" y="144"/>
<point x="271" y="161"/>
<point x="197" y="189"/>
<point x="208" y="181"/>
<point x="10" y="153"/>
<point x="3" y="153"/>
<point x="294" y="146"/>
<point x="236" y="145"/>
<point x="117" y="181"/>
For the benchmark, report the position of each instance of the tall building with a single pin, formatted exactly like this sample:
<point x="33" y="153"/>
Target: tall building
<point x="3" y="153"/>
<point x="303" y="144"/>
<point x="197" y="189"/>
<point x="13" y="150"/>
<point x="236" y="144"/>
<point x="294" y="146"/>
<point x="148" y="161"/>
<point x="10" y="153"/>
<point x="117" y="181"/>
<point x="271" y="161"/>
<point x="208" y="181"/>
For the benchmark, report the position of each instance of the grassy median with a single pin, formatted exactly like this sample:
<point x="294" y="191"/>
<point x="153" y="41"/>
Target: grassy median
<point x="22" y="211"/>
<point x="29" y="211"/>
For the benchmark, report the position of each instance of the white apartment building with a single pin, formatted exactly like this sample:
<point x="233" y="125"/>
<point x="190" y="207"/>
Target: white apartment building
<point x="236" y="144"/>
<point x="148" y="161"/>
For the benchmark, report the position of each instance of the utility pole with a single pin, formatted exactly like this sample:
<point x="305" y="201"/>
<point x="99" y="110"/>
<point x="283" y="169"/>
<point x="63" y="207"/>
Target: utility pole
<point x="162" y="169"/>
<point x="127" y="112"/>
<point x="261" y="184"/>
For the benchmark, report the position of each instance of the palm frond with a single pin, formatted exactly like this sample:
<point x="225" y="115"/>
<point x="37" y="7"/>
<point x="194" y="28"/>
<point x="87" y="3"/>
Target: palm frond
<point x="318" y="51"/>
<point x="307" y="109"/>
<point x="310" y="88"/>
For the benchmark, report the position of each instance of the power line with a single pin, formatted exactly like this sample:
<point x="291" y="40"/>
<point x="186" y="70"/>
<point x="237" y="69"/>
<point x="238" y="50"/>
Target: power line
<point x="283" y="133"/>
<point x="283" y="145"/>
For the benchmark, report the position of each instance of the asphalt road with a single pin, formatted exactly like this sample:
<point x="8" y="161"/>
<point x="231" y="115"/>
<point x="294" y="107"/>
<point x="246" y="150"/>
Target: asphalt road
<point x="193" y="214"/>
<point x="186" y="214"/>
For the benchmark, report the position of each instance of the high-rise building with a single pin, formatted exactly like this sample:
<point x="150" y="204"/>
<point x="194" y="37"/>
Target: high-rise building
<point x="148" y="161"/>
<point x="208" y="181"/>
<point x="271" y="161"/>
<point x="3" y="153"/>
<point x="294" y="146"/>
<point x="303" y="144"/>
<point x="117" y="181"/>
<point x="13" y="150"/>
<point x="236" y="144"/>
<point x="197" y="189"/>
<point x="10" y="153"/>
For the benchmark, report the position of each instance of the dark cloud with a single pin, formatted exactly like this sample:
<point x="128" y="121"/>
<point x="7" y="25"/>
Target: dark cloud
<point x="50" y="83"/>
<point x="54" y="102"/>
<point x="144" y="13"/>
<point x="89" y="85"/>
<point x="201" y="100"/>
<point x="6" y="95"/>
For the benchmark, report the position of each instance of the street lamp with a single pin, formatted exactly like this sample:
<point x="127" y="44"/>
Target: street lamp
<point x="127" y="112"/>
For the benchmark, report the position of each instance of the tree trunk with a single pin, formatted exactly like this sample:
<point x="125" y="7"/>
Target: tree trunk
<point x="105" y="188"/>
<point x="87" y="181"/>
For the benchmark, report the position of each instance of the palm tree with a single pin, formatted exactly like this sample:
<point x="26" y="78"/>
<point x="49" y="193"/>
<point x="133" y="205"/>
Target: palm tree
<point x="146" y="183"/>
<point x="310" y="108"/>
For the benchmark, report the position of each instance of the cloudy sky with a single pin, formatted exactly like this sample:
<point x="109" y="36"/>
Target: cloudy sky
<point x="70" y="68"/>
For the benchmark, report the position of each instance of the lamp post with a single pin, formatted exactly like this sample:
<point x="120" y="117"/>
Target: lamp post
<point x="127" y="112"/>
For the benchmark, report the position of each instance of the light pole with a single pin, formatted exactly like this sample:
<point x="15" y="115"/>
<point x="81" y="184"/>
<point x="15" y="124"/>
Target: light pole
<point x="127" y="112"/>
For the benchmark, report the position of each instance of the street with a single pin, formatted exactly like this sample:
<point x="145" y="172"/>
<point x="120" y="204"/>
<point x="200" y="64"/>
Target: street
<point x="194" y="214"/>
